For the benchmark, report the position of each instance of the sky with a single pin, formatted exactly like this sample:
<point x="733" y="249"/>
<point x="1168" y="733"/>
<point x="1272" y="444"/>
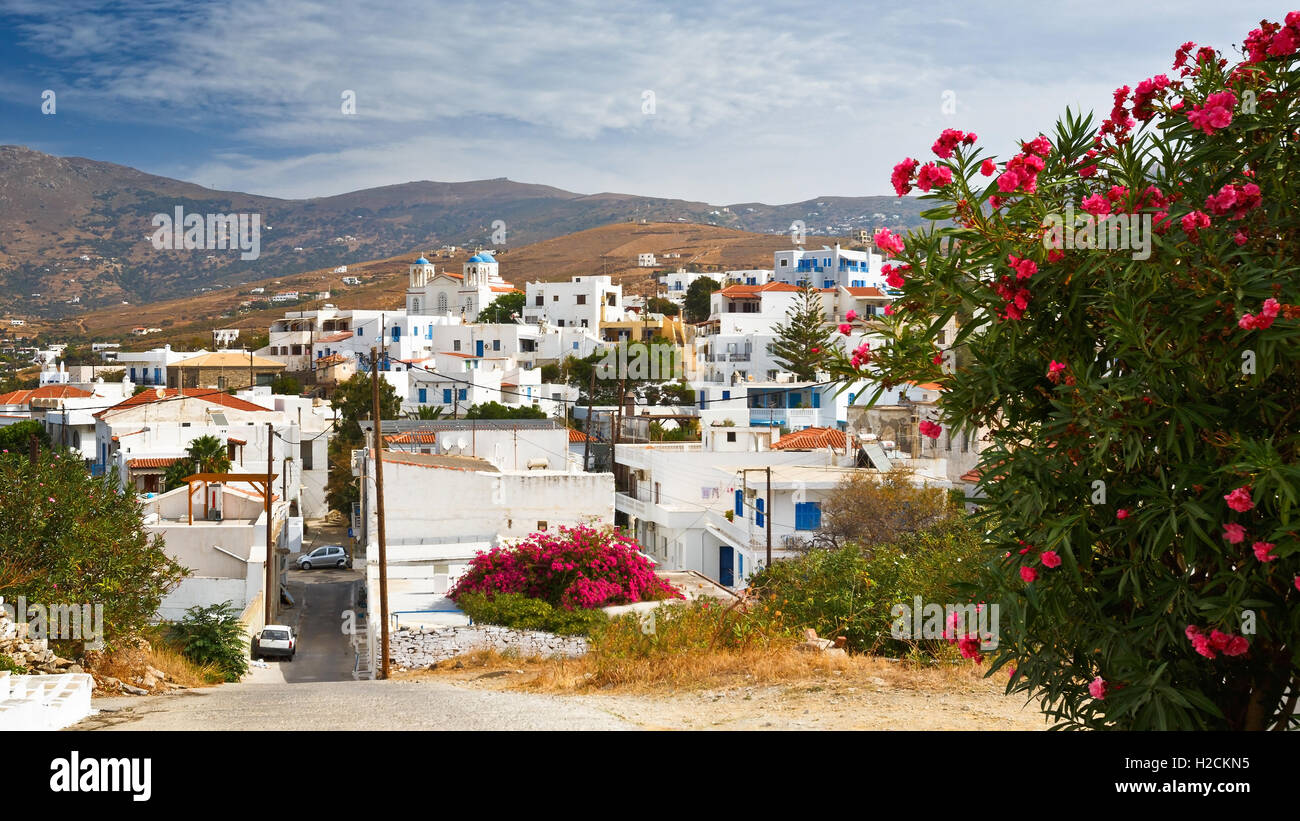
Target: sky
<point x="723" y="102"/>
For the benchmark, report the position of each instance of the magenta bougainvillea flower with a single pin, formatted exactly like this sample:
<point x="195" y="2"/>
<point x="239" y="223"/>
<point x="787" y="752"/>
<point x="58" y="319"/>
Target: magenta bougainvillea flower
<point x="574" y="567"/>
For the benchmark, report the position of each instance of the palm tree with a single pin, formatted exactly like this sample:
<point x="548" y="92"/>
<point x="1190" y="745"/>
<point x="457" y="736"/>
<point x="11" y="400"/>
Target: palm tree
<point x="209" y="455"/>
<point x="426" y="413"/>
<point x="206" y="454"/>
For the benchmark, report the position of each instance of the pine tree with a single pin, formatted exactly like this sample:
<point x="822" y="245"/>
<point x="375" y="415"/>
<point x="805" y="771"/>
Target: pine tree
<point x="803" y="340"/>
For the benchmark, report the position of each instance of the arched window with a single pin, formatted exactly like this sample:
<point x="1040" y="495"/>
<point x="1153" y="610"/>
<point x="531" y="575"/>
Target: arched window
<point x="442" y="302"/>
<point x="415" y="305"/>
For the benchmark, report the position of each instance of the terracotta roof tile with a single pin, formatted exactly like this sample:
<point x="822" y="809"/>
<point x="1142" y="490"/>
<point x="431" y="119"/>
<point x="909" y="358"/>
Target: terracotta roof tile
<point x="811" y="439"/>
<point x="211" y="395"/>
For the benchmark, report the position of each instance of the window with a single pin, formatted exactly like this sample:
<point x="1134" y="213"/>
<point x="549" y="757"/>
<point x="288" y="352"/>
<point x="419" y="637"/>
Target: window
<point x="305" y="453"/>
<point x="731" y="436"/>
<point x="740" y="504"/>
<point x="541" y="525"/>
<point x="446" y="396"/>
<point x="807" y="515"/>
<point x="496" y="344"/>
<point x="460" y="394"/>
<point x="455" y="345"/>
<point x="555" y="297"/>
<point x="582" y="299"/>
<point x="785" y="262"/>
<point x="540" y="301"/>
<point x="442" y="303"/>
<point x="424" y="395"/>
<point x="758" y="512"/>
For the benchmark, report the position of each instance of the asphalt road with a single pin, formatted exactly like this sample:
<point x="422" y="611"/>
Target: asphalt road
<point x="316" y="690"/>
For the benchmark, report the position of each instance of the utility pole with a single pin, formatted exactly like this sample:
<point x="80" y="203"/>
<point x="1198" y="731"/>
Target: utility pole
<point x="590" y="426"/>
<point x="270" y="548"/>
<point x="379" y="507"/>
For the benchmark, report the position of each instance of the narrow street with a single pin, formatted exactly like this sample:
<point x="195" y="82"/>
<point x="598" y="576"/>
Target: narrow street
<point x="316" y="690"/>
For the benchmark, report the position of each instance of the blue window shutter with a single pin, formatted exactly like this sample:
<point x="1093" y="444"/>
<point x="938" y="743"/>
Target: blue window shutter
<point x="424" y="395"/>
<point x="446" y="396"/>
<point x="758" y="515"/>
<point x="807" y="516"/>
<point x="462" y="392"/>
<point x="740" y="503"/>
<point x="817" y="399"/>
<point x="851" y="397"/>
<point x="726" y="394"/>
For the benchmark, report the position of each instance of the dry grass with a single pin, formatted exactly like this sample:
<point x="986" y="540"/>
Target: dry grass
<point x="701" y="670"/>
<point x="132" y="661"/>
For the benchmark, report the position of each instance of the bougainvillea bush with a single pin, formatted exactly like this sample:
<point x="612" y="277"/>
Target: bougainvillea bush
<point x="576" y="567"/>
<point x="1143" y="407"/>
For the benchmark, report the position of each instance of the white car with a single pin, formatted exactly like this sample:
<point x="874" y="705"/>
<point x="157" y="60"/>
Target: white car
<point x="275" y="641"/>
<point x="330" y="555"/>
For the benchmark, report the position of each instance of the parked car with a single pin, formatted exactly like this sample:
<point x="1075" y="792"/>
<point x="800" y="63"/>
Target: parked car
<point x="330" y="555"/>
<point x="275" y="641"/>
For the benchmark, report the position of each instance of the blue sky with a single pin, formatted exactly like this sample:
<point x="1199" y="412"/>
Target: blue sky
<point x="753" y="100"/>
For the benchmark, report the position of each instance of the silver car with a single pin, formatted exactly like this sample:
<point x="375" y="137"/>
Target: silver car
<point x="330" y="555"/>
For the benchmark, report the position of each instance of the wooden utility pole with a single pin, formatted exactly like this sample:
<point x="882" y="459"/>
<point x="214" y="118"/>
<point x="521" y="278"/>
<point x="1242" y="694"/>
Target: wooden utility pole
<point x="590" y="426"/>
<point x="769" y="517"/>
<point x="379" y="509"/>
<point x="272" y="587"/>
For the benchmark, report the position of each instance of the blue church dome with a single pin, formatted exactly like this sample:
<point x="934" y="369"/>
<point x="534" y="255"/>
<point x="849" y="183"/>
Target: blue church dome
<point x="422" y="261"/>
<point x="482" y="256"/>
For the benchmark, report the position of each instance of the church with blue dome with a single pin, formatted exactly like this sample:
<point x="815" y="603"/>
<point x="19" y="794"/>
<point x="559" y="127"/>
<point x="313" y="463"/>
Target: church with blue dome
<point x="446" y="294"/>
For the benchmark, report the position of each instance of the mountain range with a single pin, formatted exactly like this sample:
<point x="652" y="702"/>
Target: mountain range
<point x="75" y="233"/>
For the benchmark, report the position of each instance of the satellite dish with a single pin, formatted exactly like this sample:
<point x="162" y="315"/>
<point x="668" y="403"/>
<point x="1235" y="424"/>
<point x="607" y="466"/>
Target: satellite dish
<point x="461" y="443"/>
<point x="159" y="392"/>
<point x="446" y="444"/>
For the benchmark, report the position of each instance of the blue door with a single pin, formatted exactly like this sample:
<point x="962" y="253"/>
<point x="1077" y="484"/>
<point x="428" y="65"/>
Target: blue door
<point x="157" y="376"/>
<point x="726" y="570"/>
<point x="478" y="348"/>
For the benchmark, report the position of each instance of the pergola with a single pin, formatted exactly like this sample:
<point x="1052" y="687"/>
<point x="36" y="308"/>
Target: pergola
<point x="260" y="481"/>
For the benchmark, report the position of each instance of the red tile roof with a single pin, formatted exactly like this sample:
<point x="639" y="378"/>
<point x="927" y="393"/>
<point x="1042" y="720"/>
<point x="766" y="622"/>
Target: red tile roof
<point x="152" y="462"/>
<point x="579" y="436"/>
<point x="335" y="337"/>
<point x="754" y="290"/>
<point x="811" y="439"/>
<point x="856" y="291"/>
<point x="211" y="395"/>
<point x="43" y="392"/>
<point x="417" y="437"/>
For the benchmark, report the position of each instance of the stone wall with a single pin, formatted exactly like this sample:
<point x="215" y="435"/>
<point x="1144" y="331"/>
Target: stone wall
<point x="414" y="647"/>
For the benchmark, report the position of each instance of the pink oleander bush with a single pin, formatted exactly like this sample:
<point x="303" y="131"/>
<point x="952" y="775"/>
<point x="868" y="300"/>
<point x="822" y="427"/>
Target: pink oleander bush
<point x="576" y="567"/>
<point x="1142" y="403"/>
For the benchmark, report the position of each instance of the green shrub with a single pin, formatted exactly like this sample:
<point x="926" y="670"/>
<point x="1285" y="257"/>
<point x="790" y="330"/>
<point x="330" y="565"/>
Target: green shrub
<point x="8" y="664"/>
<point x="850" y="592"/>
<point x="691" y="627"/>
<point x="214" y="635"/>
<point x="523" y="613"/>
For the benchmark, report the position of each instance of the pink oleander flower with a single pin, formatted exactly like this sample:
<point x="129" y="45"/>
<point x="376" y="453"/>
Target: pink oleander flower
<point x="930" y="429"/>
<point x="1088" y="171"/>
<point x="1239" y="499"/>
<point x="1097" y="688"/>
<point x="1097" y="205"/>
<point x="902" y="176"/>
<point x="846" y="328"/>
<point x="1264" y="551"/>
<point x="970" y="648"/>
<point x="1193" y="221"/>
<point x="1050" y="559"/>
<point x="1215" y="113"/>
<point x="1121" y="514"/>
<point x="893" y="275"/>
<point x="851" y="315"/>
<point x="1040" y="145"/>
<point x="1234" y="533"/>
<point x="1237" y="646"/>
<point x="948" y="140"/>
<point x="1054" y="368"/>
<point x="887" y="241"/>
<point x="1239" y="238"/>
<point x="988" y="167"/>
<point x="1201" y="644"/>
<point x="1028" y="575"/>
<point x="1297" y="582"/>
<point x="1009" y="181"/>
<point x="932" y="175"/>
